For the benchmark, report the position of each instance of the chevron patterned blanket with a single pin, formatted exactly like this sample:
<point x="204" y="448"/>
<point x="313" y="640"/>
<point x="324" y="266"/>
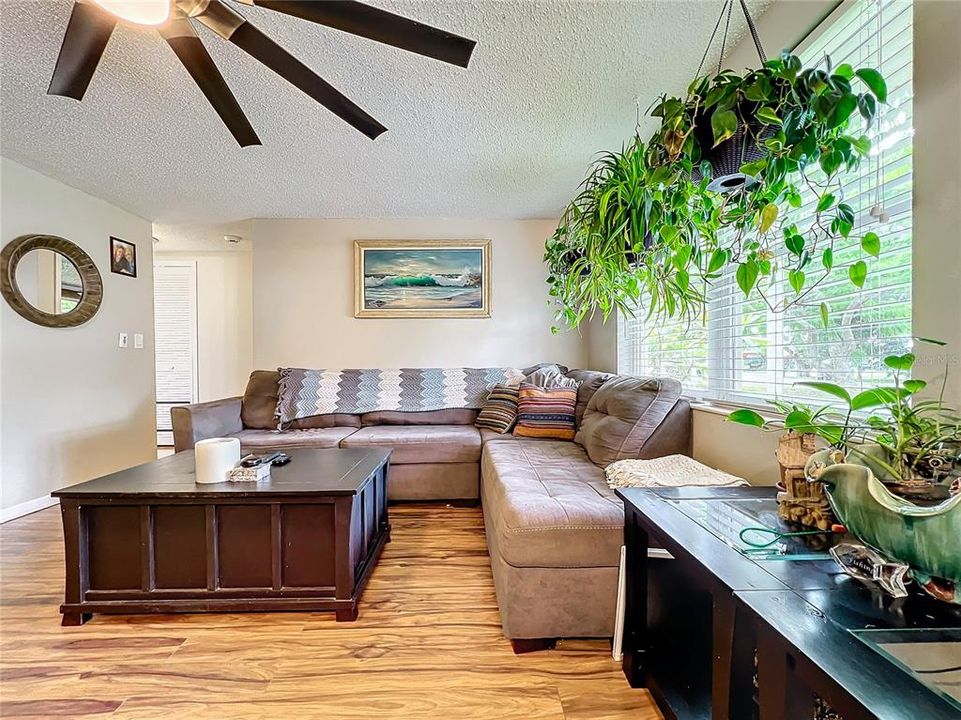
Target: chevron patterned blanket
<point x="304" y="393"/>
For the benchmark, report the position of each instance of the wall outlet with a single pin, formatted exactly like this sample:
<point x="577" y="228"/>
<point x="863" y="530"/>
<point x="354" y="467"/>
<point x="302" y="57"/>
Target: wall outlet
<point x="138" y="341"/>
<point x="122" y="340"/>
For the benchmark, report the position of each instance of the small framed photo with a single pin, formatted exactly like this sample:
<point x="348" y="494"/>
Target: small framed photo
<point x="123" y="257"/>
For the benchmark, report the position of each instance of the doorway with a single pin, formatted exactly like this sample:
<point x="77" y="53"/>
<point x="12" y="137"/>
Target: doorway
<point x="175" y="329"/>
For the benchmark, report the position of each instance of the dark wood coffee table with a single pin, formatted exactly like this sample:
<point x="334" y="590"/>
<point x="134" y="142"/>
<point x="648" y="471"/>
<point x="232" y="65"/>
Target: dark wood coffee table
<point x="151" y="540"/>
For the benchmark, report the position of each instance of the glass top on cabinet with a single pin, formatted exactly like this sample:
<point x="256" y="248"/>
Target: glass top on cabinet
<point x="931" y="656"/>
<point x="726" y="518"/>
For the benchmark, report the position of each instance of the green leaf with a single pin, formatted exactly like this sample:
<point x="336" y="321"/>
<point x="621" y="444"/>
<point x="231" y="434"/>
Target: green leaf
<point x="871" y="244"/>
<point x="826" y="201"/>
<point x="858" y="272"/>
<point x="824" y="315"/>
<point x="754" y="168"/>
<point x="717" y="260"/>
<point x="862" y="144"/>
<point x="723" y="125"/>
<point x="914" y="386"/>
<point x="874" y="80"/>
<point x="668" y="233"/>
<point x="795" y="244"/>
<point x="846" y="213"/>
<point x="768" y="216"/>
<point x="843" y="110"/>
<point x="796" y="279"/>
<point x="827" y="258"/>
<point x="872" y="398"/>
<point x="868" y="107"/>
<point x="746" y="276"/>
<point x="830" y="162"/>
<point x="797" y="420"/>
<point x="746" y="417"/>
<point x="900" y="362"/>
<point x="930" y="341"/>
<point x="767" y="116"/>
<point x="845" y="70"/>
<point x="828" y="388"/>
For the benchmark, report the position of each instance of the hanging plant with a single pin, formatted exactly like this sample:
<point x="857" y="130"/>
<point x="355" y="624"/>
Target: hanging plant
<point x="712" y="192"/>
<point x="604" y="246"/>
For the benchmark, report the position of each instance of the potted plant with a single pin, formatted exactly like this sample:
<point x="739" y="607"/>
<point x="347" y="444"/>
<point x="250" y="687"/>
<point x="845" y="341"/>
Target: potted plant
<point x="889" y="469"/>
<point x="654" y="225"/>
<point x="912" y="443"/>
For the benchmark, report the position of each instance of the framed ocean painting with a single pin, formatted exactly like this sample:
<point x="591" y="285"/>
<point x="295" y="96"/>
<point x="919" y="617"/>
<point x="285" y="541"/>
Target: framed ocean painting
<point x="422" y="278"/>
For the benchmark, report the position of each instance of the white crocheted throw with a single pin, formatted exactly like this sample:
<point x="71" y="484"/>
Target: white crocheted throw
<point x="670" y="471"/>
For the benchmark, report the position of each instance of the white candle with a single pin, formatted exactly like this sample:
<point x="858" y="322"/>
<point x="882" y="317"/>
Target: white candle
<point x="213" y="458"/>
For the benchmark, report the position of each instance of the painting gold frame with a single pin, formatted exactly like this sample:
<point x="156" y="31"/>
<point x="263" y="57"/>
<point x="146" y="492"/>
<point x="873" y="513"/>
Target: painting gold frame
<point x="361" y="246"/>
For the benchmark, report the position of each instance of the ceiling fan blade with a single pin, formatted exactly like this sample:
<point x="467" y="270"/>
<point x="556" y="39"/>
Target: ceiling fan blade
<point x="185" y="43"/>
<point x="87" y="34"/>
<point x="255" y="43"/>
<point x="375" y="24"/>
<point x="234" y="27"/>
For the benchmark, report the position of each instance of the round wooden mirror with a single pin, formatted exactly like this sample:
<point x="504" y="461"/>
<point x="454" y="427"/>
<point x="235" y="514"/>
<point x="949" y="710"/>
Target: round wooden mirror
<point x="50" y="281"/>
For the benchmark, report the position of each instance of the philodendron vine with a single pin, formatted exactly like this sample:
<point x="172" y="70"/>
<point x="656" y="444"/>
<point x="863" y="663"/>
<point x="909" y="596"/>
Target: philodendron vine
<point x="646" y="232"/>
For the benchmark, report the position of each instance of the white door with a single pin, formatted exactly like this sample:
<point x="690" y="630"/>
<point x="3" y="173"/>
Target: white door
<point x="175" y="330"/>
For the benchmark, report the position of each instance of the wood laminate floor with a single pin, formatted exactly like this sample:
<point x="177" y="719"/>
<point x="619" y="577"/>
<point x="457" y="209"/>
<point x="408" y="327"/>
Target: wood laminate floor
<point x="427" y="644"/>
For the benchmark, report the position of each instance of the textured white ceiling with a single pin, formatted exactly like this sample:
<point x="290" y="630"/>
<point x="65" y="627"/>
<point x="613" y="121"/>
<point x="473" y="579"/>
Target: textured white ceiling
<point x="550" y="84"/>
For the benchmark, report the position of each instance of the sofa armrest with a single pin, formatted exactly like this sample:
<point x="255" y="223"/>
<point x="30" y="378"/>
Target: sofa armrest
<point x="192" y="423"/>
<point x="674" y="436"/>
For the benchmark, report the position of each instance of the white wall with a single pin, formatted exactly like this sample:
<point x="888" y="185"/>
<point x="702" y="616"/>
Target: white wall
<point x="74" y="406"/>
<point x="304" y="299"/>
<point x="936" y="256"/>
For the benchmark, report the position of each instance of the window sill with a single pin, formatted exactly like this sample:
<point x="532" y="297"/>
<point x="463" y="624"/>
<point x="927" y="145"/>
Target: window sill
<point x="715" y="407"/>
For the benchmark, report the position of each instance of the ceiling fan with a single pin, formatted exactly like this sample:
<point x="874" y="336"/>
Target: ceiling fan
<point x="92" y="22"/>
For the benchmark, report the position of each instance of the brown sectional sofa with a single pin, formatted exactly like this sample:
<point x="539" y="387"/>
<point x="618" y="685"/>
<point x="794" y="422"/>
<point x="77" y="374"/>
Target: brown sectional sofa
<point x="554" y="527"/>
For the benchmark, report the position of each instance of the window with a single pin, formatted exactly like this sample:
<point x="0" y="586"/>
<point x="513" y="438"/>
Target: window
<point x="745" y="353"/>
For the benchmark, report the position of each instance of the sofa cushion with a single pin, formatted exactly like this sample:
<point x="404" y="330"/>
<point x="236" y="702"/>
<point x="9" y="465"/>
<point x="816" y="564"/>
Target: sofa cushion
<point x="450" y="416"/>
<point x="622" y="415"/>
<point x="549" y="376"/>
<point x="500" y="409"/>
<point x="312" y="438"/>
<point x="421" y="443"/>
<point x="492" y="436"/>
<point x="259" y="408"/>
<point x="589" y="382"/>
<point x="550" y="505"/>
<point x="546" y="412"/>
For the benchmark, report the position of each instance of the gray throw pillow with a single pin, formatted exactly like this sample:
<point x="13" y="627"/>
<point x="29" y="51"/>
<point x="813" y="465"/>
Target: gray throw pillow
<point x="550" y="376"/>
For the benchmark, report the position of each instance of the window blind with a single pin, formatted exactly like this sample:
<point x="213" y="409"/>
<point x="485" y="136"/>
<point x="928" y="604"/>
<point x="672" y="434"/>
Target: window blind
<point x="743" y="351"/>
<point x="175" y="338"/>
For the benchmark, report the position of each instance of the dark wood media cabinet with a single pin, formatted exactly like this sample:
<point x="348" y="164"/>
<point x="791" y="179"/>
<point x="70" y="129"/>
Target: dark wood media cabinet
<point x="152" y="540"/>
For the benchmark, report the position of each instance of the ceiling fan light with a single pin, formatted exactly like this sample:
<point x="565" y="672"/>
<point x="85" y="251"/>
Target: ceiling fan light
<point x="141" y="12"/>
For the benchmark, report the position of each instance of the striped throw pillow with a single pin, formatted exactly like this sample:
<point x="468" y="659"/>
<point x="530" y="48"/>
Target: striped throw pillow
<point x="546" y="412"/>
<point x="500" y="409"/>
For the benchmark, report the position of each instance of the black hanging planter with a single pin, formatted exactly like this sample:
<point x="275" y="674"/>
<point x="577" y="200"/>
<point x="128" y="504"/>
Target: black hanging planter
<point x="747" y="143"/>
<point x="745" y="146"/>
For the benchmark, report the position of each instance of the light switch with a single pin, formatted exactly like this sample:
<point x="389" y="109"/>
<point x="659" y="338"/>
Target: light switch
<point x="122" y="340"/>
<point x="138" y="341"/>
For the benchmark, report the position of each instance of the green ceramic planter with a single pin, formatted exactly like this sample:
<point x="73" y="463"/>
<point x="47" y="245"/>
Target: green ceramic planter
<point x="926" y="538"/>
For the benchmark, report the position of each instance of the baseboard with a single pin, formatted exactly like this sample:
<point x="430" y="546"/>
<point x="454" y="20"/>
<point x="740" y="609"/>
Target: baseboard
<point x="31" y="506"/>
